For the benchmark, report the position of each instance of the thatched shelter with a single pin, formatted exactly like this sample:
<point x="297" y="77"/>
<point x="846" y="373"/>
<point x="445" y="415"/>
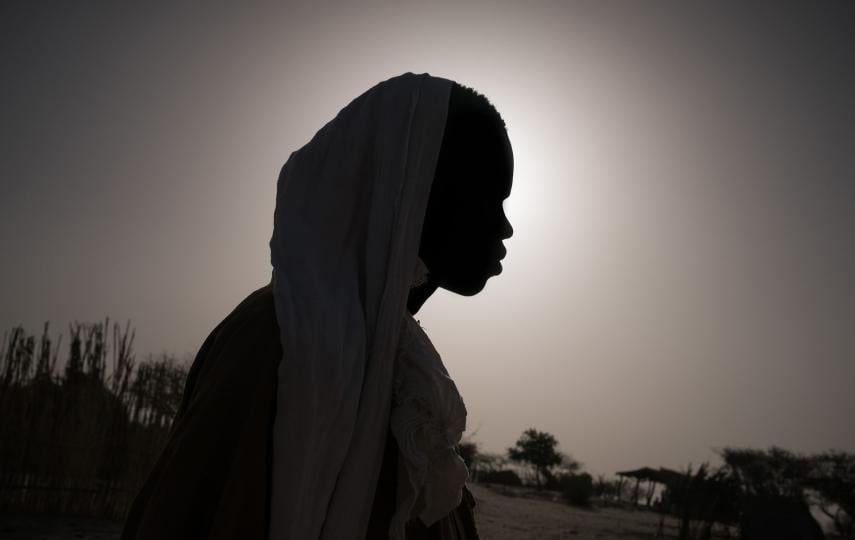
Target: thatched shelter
<point x="666" y="477"/>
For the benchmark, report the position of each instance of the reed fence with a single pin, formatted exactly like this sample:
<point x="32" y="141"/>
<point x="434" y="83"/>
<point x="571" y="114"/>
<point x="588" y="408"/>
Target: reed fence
<point x="80" y="436"/>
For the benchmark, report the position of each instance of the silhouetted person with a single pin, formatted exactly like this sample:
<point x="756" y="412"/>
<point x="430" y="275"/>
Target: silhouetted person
<point x="296" y="404"/>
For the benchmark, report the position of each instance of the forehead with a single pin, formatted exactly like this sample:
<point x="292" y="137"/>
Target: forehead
<point x="492" y="157"/>
<point x="477" y="151"/>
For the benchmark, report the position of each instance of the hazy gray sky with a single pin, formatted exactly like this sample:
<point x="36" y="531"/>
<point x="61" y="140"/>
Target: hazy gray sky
<point x="681" y="273"/>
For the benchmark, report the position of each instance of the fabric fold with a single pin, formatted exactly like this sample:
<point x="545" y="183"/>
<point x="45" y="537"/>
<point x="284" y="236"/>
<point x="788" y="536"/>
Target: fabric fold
<point x="350" y="206"/>
<point x="428" y="420"/>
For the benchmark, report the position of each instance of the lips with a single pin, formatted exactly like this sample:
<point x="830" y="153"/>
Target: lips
<point x="501" y="252"/>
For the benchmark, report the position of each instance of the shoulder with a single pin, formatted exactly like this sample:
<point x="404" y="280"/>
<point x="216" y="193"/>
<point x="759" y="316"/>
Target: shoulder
<point x="244" y="347"/>
<point x="258" y="302"/>
<point x="254" y="315"/>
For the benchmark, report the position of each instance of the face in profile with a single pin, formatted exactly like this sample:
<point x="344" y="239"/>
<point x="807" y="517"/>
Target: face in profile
<point x="465" y="222"/>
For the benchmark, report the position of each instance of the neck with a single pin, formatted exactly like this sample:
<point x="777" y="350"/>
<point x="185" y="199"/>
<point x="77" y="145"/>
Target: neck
<point x="419" y="295"/>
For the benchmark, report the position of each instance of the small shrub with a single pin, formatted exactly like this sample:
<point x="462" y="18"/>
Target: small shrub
<point x="505" y="477"/>
<point x="553" y="482"/>
<point x="577" y="489"/>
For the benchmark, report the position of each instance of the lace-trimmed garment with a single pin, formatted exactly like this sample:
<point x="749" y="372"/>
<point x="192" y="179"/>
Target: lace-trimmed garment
<point x="427" y="420"/>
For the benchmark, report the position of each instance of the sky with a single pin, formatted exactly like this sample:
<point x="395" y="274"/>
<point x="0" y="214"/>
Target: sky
<point x="680" y="277"/>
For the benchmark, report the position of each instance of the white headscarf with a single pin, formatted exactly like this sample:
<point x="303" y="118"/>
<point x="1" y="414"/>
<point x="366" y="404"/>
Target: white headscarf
<point x="350" y="205"/>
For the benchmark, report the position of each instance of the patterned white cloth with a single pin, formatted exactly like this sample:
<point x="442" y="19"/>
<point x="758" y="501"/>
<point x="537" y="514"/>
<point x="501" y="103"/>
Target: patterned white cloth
<point x="428" y="419"/>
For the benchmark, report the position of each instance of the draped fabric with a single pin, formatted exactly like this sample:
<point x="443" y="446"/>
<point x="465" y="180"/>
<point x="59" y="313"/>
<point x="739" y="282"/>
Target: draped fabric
<point x="212" y="478"/>
<point x="347" y="226"/>
<point x="428" y="419"/>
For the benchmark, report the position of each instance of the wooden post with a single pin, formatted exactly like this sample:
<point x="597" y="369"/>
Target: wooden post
<point x="635" y="492"/>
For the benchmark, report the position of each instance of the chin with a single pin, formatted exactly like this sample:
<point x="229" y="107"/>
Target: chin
<point x="474" y="282"/>
<point x="469" y="288"/>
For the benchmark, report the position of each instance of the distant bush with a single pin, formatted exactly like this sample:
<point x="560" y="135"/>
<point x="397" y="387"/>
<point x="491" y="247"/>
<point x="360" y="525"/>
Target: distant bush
<point x="576" y="489"/>
<point x="505" y="477"/>
<point x="778" y="481"/>
<point x="468" y="451"/>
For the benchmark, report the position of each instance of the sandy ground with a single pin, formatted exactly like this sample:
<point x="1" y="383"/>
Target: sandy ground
<point x="505" y="514"/>
<point x="501" y="514"/>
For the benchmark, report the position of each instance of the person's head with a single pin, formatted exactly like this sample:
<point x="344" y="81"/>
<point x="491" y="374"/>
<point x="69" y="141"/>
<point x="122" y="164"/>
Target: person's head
<point x="465" y="222"/>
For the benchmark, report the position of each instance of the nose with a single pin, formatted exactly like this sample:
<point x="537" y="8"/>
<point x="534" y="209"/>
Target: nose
<point x="507" y="229"/>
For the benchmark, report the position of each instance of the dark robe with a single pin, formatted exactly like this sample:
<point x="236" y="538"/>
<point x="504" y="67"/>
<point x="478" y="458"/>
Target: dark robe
<point x="212" y="479"/>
